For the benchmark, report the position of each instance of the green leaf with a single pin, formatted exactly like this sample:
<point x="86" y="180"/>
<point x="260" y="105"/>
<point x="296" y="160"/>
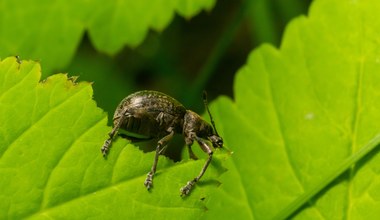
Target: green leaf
<point x="50" y="161"/>
<point x="51" y="30"/>
<point x="302" y="114"/>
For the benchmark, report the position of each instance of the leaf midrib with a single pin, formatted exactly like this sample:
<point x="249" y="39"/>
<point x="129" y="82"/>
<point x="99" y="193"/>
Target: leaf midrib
<point x="356" y="119"/>
<point x="301" y="200"/>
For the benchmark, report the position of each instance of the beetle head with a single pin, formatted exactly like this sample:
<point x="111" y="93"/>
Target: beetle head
<point x="217" y="142"/>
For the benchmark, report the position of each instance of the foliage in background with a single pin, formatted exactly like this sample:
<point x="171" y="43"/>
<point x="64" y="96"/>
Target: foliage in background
<point x="51" y="30"/>
<point x="67" y="36"/>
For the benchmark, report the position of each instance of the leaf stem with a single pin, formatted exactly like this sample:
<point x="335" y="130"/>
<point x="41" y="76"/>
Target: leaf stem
<point x="301" y="200"/>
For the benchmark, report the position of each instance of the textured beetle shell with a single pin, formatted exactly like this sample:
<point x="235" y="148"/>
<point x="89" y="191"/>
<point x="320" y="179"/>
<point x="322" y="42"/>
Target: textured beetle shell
<point x="150" y="114"/>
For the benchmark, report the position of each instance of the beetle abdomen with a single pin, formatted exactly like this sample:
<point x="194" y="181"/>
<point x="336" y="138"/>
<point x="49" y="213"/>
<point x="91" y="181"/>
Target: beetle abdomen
<point x="150" y="114"/>
<point x="139" y="128"/>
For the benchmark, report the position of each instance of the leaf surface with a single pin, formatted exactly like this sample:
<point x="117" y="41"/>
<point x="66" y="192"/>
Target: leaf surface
<point x="50" y="161"/>
<point x="300" y="113"/>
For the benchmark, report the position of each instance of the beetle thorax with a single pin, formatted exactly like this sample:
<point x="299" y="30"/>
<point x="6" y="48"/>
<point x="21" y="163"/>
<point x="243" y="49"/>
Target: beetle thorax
<point x="193" y="124"/>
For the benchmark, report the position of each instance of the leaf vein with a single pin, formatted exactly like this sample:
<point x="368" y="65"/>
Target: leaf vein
<point x="44" y="196"/>
<point x="281" y="126"/>
<point x="102" y="188"/>
<point x="246" y="196"/>
<point x="32" y="125"/>
<point x="16" y="84"/>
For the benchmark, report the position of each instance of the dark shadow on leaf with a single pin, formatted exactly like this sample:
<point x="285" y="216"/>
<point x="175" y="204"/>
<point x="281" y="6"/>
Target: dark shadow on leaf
<point x="173" y="150"/>
<point x="209" y="182"/>
<point x="216" y="163"/>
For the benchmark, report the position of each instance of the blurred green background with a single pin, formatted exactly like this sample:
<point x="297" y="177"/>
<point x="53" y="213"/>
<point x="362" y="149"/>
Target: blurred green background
<point x="199" y="48"/>
<point x="207" y="49"/>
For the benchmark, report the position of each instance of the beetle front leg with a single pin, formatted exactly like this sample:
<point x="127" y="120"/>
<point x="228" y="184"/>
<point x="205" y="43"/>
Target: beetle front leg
<point x="187" y="188"/>
<point x="107" y="144"/>
<point x="160" y="145"/>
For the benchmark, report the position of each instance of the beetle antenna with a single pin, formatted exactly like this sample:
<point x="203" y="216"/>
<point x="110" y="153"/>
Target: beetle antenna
<point x="208" y="110"/>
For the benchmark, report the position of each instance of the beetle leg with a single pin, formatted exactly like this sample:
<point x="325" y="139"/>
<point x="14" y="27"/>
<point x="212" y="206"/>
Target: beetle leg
<point x="160" y="118"/>
<point x="187" y="188"/>
<point x="162" y="151"/>
<point x="160" y="146"/>
<point x="107" y="143"/>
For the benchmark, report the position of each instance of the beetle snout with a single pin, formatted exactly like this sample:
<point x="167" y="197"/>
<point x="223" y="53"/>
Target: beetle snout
<point x="217" y="142"/>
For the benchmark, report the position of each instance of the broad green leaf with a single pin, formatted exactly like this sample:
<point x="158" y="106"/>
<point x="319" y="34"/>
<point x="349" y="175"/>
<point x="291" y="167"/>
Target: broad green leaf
<point x="50" y="161"/>
<point x="303" y="113"/>
<point x="50" y="31"/>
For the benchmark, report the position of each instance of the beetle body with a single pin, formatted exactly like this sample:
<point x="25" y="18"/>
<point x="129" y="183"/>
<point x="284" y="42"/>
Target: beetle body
<point x="150" y="114"/>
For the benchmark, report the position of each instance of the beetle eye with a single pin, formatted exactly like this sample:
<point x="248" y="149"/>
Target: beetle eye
<point x="220" y="142"/>
<point x="216" y="141"/>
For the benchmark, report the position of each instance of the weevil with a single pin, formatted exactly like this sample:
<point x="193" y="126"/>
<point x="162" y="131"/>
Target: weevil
<point x="151" y="114"/>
